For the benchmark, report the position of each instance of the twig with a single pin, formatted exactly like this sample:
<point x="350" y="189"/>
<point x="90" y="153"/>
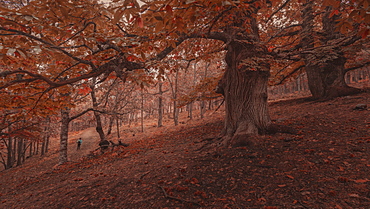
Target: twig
<point x="219" y="106"/>
<point x="176" y="198"/>
<point x="142" y="176"/>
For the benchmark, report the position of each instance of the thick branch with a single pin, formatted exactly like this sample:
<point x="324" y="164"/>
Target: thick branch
<point x="357" y="67"/>
<point x="290" y="74"/>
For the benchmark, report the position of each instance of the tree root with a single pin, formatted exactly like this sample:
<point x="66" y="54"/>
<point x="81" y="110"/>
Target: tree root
<point x="243" y="139"/>
<point x="340" y="91"/>
<point x="176" y="198"/>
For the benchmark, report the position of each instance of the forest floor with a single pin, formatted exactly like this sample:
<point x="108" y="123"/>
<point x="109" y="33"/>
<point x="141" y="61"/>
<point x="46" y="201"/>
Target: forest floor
<point x="325" y="165"/>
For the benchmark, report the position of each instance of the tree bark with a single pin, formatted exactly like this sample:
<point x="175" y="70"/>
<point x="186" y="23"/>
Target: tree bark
<point x="20" y="151"/>
<point x="245" y="92"/>
<point x="63" y="151"/>
<point x="99" y="126"/>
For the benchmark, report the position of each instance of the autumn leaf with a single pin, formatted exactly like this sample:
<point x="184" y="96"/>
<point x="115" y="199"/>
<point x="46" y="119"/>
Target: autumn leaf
<point x="289" y="176"/>
<point x="84" y="90"/>
<point x="140" y="22"/>
<point x="360" y="181"/>
<point x="131" y="58"/>
<point x="334" y="12"/>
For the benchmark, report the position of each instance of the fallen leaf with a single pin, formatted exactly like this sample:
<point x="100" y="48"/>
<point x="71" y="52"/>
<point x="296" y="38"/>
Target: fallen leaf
<point x="289" y="176"/>
<point x="354" y="195"/>
<point x="361" y="180"/>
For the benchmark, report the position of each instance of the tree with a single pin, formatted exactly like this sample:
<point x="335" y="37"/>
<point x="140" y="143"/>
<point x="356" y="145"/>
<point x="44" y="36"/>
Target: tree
<point x="244" y="84"/>
<point x="319" y="42"/>
<point x="326" y="75"/>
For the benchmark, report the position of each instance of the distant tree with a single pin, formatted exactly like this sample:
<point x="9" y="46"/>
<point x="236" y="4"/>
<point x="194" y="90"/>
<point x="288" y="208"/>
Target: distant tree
<point x="325" y="67"/>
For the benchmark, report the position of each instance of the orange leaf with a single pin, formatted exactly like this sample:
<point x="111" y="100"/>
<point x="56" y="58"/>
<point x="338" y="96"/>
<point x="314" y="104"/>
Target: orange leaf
<point x="131" y="58"/>
<point x="364" y="33"/>
<point x="362" y="181"/>
<point x="168" y="9"/>
<point x="140" y="22"/>
<point x="289" y="176"/>
<point x="334" y="12"/>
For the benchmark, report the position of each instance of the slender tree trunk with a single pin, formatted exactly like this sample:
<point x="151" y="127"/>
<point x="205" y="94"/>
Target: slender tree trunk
<point x="9" y="162"/>
<point x="47" y="143"/>
<point x="160" y="104"/>
<point x="203" y="103"/>
<point x="24" y="152"/>
<point x="115" y="109"/>
<point x="99" y="126"/>
<point x="190" y="110"/>
<point x="175" y="108"/>
<point x="202" y="109"/>
<point x="20" y="151"/>
<point x="191" y="105"/>
<point x="117" y="126"/>
<point x="63" y="150"/>
<point x="30" y="148"/>
<point x="142" y="110"/>
<point x="110" y="125"/>
<point x="43" y="146"/>
<point x="14" y="154"/>
<point x="37" y="147"/>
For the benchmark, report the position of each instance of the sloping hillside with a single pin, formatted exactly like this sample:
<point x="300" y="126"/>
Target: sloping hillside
<point x="326" y="165"/>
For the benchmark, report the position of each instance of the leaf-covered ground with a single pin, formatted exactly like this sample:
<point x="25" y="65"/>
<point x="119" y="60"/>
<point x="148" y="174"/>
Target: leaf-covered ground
<point x="326" y="165"/>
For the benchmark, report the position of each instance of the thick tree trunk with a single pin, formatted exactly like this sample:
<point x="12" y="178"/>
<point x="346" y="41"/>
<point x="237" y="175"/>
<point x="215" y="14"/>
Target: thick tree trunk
<point x="325" y="80"/>
<point x="63" y="151"/>
<point x="245" y="90"/>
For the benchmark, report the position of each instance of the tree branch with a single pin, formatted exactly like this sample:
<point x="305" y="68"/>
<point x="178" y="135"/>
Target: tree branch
<point x="280" y="8"/>
<point x="357" y="67"/>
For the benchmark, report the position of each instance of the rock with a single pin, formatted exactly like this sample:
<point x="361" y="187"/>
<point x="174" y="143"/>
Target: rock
<point x="360" y="107"/>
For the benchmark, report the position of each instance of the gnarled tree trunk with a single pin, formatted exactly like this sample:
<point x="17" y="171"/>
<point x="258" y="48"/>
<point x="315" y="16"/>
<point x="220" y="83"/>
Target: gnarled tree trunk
<point x="325" y="80"/>
<point x="245" y="90"/>
<point x="328" y="81"/>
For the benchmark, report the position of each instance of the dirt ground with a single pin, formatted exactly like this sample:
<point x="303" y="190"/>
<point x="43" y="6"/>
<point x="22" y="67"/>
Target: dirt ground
<point x="325" y="165"/>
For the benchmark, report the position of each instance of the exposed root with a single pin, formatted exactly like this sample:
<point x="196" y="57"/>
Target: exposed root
<point x="242" y="139"/>
<point x="341" y="91"/>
